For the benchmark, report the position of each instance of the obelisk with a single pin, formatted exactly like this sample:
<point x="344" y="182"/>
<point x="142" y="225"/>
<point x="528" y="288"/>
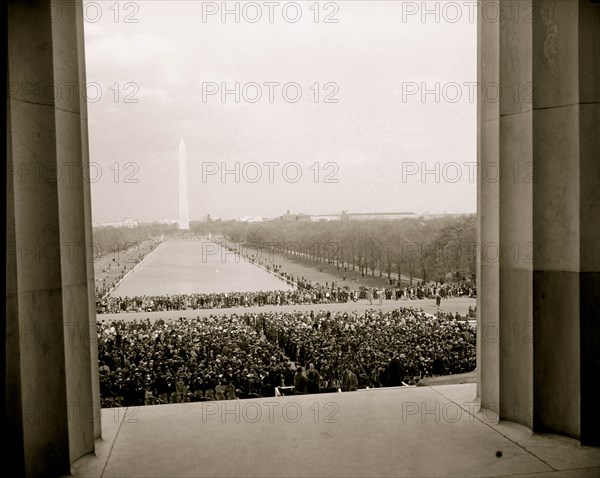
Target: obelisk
<point x="184" y="217"/>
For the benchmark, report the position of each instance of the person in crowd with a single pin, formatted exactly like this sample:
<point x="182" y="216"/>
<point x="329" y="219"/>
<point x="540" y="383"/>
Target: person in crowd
<point x="314" y="379"/>
<point x="220" y="390"/>
<point x="230" y="391"/>
<point x="181" y="390"/>
<point x="395" y="375"/>
<point x="350" y="383"/>
<point x="162" y="388"/>
<point x="103" y="367"/>
<point x="300" y="382"/>
<point x="149" y="397"/>
<point x="210" y="394"/>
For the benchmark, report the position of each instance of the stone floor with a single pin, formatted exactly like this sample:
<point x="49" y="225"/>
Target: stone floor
<point x="410" y="432"/>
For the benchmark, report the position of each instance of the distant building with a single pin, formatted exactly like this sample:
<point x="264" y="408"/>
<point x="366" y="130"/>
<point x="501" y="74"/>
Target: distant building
<point x="293" y="217"/>
<point x="365" y="216"/>
<point x="377" y="216"/>
<point x="453" y="215"/>
<point x="127" y="222"/>
<point x="251" y="219"/>
<point x="325" y="217"/>
<point x="347" y="216"/>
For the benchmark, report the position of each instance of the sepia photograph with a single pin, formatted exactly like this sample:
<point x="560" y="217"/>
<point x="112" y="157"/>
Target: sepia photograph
<point x="311" y="238"/>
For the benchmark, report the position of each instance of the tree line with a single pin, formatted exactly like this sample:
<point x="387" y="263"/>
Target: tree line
<point x="439" y="249"/>
<point x="108" y="239"/>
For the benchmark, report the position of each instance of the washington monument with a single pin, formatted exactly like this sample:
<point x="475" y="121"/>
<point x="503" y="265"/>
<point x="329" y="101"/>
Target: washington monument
<point x="184" y="218"/>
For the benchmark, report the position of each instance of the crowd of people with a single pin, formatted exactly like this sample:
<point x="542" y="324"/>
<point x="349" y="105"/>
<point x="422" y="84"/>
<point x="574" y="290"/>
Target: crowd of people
<point x="121" y="264"/>
<point x="431" y="290"/>
<point x="250" y="355"/>
<point x="306" y="292"/>
<point x="221" y="300"/>
<point x="214" y="358"/>
<point x="367" y="343"/>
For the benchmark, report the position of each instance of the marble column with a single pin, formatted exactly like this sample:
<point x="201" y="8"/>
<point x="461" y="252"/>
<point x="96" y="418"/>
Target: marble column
<point x="545" y="59"/>
<point x="49" y="360"/>
<point x="90" y="251"/>
<point x="589" y="216"/>
<point x="488" y="200"/>
<point x="36" y="308"/>
<point x="71" y="178"/>
<point x="515" y="210"/>
<point x="567" y="216"/>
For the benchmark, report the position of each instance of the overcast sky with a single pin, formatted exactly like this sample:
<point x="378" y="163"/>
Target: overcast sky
<point x="374" y="141"/>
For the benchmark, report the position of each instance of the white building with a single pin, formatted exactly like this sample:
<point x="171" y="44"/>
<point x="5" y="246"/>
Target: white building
<point x="251" y="219"/>
<point x="127" y="222"/>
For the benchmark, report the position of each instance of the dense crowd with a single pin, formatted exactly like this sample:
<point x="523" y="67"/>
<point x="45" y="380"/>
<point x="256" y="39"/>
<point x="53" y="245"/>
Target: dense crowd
<point x="221" y="300"/>
<point x="305" y="293"/>
<point x="238" y="356"/>
<point x="144" y="362"/>
<point x="431" y="290"/>
<point x="367" y="343"/>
